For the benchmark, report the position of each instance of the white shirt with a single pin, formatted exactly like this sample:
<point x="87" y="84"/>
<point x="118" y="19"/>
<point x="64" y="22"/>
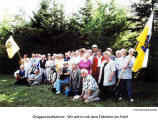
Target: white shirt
<point x="121" y="62"/>
<point x="109" y="68"/>
<point x="99" y="61"/>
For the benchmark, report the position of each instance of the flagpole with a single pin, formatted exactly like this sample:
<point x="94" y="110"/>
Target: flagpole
<point x="127" y="65"/>
<point x="19" y="56"/>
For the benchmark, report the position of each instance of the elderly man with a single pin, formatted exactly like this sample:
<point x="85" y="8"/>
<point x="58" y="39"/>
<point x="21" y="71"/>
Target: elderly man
<point x="63" y="78"/>
<point x="125" y="64"/>
<point x="90" y="90"/>
<point x="21" y="76"/>
<point x="75" y="79"/>
<point x="42" y="67"/>
<point x="36" y="80"/>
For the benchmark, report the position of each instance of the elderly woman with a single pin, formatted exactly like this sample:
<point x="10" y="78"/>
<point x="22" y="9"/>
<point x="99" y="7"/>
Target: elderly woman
<point x="124" y="64"/>
<point x="90" y="91"/>
<point x="107" y="72"/>
<point x="86" y="63"/>
<point x="49" y="64"/>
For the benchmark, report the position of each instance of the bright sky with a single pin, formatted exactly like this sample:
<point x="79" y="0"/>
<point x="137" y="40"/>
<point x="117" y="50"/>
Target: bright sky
<point x="70" y="6"/>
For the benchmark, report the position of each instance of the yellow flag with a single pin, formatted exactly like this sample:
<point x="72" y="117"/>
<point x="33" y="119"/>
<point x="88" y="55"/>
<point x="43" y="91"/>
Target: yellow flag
<point x="143" y="46"/>
<point x="11" y="47"/>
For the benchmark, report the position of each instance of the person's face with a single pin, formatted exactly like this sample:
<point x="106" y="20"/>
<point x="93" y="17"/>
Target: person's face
<point x="123" y="53"/>
<point x="95" y="49"/>
<point x="99" y="53"/>
<point x="36" y="72"/>
<point x="118" y="55"/>
<point x="106" y="57"/>
<point x="22" y="67"/>
<point x="34" y="65"/>
<point x="74" y="66"/>
<point x="84" y="75"/>
<point x="49" y="58"/>
<point x="25" y="56"/>
<point x="33" y="55"/>
<point x="67" y="65"/>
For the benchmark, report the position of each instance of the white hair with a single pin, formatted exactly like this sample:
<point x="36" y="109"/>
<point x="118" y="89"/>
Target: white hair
<point x="86" y="54"/>
<point x="84" y="71"/>
<point x="123" y="50"/>
<point x="118" y="52"/>
<point x="131" y="50"/>
<point x="107" y="53"/>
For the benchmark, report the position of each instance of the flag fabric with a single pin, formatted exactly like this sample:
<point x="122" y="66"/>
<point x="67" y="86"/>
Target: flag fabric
<point x="143" y="46"/>
<point x="11" y="47"/>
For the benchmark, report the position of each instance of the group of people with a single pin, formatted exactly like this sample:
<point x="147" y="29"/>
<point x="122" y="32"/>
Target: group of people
<point x="87" y="74"/>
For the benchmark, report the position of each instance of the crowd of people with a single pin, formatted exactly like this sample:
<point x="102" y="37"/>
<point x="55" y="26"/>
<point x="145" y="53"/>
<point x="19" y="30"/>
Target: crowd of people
<point x="86" y="74"/>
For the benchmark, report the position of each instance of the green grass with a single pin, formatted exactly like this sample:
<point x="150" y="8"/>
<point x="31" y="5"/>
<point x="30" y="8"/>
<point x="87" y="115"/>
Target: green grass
<point x="145" y="95"/>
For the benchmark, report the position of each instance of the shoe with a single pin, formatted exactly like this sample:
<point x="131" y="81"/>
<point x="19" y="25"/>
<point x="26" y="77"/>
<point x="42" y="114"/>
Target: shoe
<point x="120" y="98"/>
<point x="58" y="92"/>
<point x="131" y="100"/>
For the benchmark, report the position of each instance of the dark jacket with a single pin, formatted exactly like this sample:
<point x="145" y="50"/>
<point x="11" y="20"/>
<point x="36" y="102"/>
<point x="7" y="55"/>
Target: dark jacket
<point x="76" y="81"/>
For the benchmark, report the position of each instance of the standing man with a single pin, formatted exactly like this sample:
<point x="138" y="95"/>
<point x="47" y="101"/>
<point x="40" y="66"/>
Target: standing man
<point x="75" y="79"/>
<point x="95" y="49"/>
<point x="124" y="64"/>
<point x="42" y="68"/>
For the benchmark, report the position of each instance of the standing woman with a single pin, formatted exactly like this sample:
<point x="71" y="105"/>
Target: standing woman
<point x="49" y="64"/>
<point x="107" y="73"/>
<point x="86" y="64"/>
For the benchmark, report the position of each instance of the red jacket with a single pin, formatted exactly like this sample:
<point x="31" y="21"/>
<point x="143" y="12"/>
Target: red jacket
<point x="95" y="64"/>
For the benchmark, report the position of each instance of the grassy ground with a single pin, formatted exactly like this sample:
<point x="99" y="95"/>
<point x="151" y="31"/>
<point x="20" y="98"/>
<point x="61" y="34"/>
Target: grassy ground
<point x="145" y="95"/>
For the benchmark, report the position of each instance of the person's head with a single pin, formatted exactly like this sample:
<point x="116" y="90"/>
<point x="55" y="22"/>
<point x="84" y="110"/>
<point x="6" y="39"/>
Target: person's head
<point x="123" y="52"/>
<point x="109" y="49"/>
<point x="66" y="55"/>
<point x="49" y="58"/>
<point x="25" y="55"/>
<point x="36" y="55"/>
<point x="72" y="54"/>
<point x="106" y="55"/>
<point x="27" y="60"/>
<point x="81" y="52"/>
<point x="86" y="56"/>
<point x="36" y="72"/>
<point x="22" y="67"/>
<point x="131" y="51"/>
<point x="52" y="70"/>
<point x="99" y="52"/>
<point x="49" y="55"/>
<point x="33" y="55"/>
<point x="61" y="56"/>
<point x="66" y="64"/>
<point x="84" y="73"/>
<point x="76" y="53"/>
<point x="94" y="48"/>
<point x="74" y="65"/>
<point x="43" y="57"/>
<point x="118" y="53"/>
<point x="39" y="55"/>
<point x="90" y="52"/>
